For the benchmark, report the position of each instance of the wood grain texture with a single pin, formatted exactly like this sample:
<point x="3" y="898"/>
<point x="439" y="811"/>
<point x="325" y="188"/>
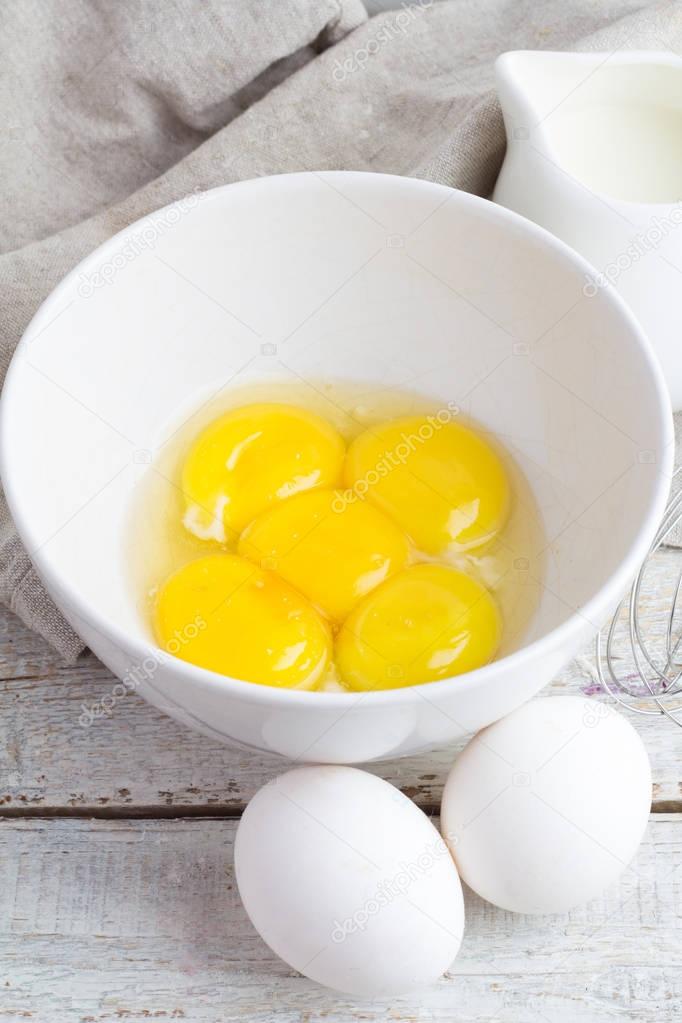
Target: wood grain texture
<point x="113" y="920"/>
<point x="137" y="761"/>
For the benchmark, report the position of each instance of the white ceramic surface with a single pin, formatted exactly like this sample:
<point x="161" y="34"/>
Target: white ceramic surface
<point x="594" y="154"/>
<point x="347" y="276"/>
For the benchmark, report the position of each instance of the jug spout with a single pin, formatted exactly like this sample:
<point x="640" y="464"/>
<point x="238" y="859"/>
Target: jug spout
<point x="533" y="83"/>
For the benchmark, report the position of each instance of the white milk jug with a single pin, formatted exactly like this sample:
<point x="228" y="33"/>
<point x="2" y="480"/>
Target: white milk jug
<point x="594" y="154"/>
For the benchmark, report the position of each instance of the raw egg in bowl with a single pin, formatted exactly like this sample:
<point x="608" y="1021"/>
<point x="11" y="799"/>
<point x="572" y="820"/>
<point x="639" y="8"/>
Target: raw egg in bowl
<point x="222" y="375"/>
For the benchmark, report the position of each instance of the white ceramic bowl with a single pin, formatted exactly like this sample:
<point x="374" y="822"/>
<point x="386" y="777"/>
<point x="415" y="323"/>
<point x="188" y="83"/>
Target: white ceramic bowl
<point x="351" y="276"/>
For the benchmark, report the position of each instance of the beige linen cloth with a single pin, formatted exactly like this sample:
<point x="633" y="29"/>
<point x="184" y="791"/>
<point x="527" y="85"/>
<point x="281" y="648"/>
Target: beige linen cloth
<point x="109" y="110"/>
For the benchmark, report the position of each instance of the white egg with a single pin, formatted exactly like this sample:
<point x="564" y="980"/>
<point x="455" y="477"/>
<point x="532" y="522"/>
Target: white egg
<point x="545" y="808"/>
<point x="348" y="881"/>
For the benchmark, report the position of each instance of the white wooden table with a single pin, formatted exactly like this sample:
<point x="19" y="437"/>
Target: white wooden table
<point x="117" y="895"/>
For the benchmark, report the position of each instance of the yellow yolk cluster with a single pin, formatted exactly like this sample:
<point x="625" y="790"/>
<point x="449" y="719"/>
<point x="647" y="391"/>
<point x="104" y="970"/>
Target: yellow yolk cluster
<point x="328" y="545"/>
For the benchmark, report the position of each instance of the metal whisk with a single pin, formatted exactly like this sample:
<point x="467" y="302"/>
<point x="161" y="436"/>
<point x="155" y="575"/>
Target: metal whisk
<point x="657" y="663"/>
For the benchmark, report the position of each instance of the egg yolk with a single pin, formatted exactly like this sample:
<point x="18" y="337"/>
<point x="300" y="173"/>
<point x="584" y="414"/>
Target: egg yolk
<point x="441" y="482"/>
<point x="333" y="550"/>
<point x="251" y="458"/>
<point x="426" y="623"/>
<point x="226" y="614"/>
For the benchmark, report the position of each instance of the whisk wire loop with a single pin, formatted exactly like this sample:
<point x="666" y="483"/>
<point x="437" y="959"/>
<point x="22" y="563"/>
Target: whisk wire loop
<point x="640" y="675"/>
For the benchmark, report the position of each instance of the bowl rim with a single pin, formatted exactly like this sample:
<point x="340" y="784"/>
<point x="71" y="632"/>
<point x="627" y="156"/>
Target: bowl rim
<point x="595" y="609"/>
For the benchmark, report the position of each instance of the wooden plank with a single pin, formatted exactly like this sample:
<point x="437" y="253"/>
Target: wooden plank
<point x="139" y="761"/>
<point x="123" y="920"/>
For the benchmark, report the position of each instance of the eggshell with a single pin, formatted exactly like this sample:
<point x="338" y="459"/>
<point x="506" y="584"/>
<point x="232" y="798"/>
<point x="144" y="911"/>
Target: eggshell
<point x="545" y="808"/>
<point x="348" y="881"/>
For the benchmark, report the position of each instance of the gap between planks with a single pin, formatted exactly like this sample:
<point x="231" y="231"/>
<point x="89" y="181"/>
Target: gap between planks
<point x="213" y="811"/>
